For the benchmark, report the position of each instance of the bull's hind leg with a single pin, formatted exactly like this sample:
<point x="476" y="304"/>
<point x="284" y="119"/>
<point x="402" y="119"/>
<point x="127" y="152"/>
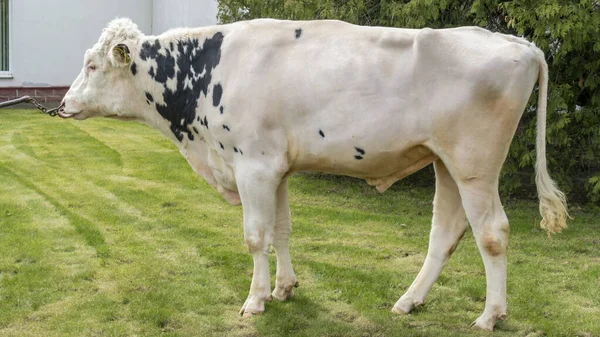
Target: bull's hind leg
<point x="286" y="279"/>
<point x="490" y="227"/>
<point x="448" y="226"/>
<point x="257" y="185"/>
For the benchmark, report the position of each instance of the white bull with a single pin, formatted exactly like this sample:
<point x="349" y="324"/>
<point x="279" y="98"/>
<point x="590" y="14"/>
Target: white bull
<point x="250" y="103"/>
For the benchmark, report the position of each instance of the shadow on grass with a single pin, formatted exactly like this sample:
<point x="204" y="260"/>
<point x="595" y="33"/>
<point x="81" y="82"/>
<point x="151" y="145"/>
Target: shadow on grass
<point x="301" y="316"/>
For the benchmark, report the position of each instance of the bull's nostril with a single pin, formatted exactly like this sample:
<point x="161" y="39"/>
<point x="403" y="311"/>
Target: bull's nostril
<point x="61" y="111"/>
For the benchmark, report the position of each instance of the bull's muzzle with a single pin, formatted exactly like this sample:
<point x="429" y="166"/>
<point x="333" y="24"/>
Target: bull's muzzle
<point x="61" y="110"/>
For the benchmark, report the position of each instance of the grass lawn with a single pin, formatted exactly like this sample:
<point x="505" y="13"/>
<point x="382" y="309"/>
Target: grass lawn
<point x="106" y="231"/>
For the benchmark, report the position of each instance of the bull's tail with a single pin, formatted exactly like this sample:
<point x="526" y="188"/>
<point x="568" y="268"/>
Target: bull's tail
<point x="553" y="204"/>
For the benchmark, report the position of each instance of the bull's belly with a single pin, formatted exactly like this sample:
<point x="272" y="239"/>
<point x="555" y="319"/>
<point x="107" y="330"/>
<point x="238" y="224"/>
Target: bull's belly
<point x="381" y="169"/>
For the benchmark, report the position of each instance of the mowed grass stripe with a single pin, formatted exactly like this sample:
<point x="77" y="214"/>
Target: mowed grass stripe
<point x="43" y="260"/>
<point x="88" y="230"/>
<point x="176" y="264"/>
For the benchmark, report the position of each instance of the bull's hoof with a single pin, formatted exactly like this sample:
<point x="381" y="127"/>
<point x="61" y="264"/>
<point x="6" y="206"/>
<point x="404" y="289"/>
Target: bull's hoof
<point x="254" y="305"/>
<point x="285" y="293"/>
<point x="399" y="311"/>
<point x="481" y="326"/>
<point x="248" y="314"/>
<point x="405" y="305"/>
<point x="482" y="323"/>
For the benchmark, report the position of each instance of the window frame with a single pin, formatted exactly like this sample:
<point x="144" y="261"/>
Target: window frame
<point x="8" y="73"/>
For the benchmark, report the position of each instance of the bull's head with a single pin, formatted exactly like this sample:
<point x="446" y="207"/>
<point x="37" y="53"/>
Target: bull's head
<point x="105" y="85"/>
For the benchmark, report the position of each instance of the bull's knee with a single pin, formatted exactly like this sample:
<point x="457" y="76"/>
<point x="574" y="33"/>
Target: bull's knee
<point x="492" y="245"/>
<point x="257" y="241"/>
<point x="495" y="241"/>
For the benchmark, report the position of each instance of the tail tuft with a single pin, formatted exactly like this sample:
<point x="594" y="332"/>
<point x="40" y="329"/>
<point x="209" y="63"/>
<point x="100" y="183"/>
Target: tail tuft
<point x="553" y="204"/>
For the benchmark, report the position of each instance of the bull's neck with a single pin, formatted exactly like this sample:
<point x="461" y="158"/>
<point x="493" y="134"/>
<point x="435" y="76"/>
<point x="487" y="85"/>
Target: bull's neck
<point x="178" y="73"/>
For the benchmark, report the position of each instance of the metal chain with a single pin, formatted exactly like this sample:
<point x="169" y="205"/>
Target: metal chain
<point x="28" y="99"/>
<point x="51" y="112"/>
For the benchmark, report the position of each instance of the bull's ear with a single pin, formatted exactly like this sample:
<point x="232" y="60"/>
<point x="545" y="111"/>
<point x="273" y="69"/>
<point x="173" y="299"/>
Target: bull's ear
<point x="121" y="56"/>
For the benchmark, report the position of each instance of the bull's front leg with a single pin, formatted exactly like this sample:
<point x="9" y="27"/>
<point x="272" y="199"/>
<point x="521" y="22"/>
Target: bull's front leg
<point x="257" y="186"/>
<point x="286" y="279"/>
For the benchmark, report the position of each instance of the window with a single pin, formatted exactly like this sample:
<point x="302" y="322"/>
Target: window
<point x="4" y="37"/>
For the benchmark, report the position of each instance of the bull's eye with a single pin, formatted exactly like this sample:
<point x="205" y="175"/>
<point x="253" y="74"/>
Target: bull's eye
<point x="91" y="67"/>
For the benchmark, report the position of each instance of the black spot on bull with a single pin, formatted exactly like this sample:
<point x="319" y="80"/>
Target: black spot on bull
<point x="298" y="33"/>
<point x="165" y="64"/>
<point x="150" y="50"/>
<point x="191" y="59"/>
<point x="149" y="97"/>
<point x="217" y="93"/>
<point x="361" y="153"/>
<point x="134" y="68"/>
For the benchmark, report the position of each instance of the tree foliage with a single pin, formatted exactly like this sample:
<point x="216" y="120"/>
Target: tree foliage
<point x="567" y="30"/>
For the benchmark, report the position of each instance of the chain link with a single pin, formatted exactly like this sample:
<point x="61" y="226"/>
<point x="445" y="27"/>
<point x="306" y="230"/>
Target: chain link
<point x="51" y="112"/>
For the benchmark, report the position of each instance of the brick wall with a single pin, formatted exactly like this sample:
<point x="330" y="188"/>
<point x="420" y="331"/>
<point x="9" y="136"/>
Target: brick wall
<point x="40" y="94"/>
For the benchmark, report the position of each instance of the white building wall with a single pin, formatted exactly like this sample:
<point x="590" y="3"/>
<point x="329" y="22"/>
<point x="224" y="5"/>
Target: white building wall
<point x="183" y="13"/>
<point x="49" y="37"/>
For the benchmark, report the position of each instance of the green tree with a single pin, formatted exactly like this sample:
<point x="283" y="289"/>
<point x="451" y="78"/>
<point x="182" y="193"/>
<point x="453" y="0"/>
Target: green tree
<point x="567" y="30"/>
